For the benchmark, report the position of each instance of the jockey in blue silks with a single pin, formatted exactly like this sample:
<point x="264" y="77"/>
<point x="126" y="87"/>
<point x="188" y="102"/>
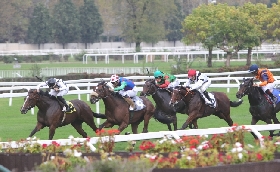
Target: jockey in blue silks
<point x="126" y="88"/>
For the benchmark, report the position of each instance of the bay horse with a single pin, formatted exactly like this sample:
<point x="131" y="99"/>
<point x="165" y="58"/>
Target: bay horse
<point x="197" y="107"/>
<point x="50" y="113"/>
<point x="117" y="109"/>
<point x="261" y="107"/>
<point x="164" y="113"/>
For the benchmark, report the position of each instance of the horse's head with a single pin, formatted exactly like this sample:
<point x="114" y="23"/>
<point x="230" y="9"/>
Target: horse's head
<point x="149" y="88"/>
<point x="244" y="87"/>
<point x="94" y="97"/>
<point x="177" y="95"/>
<point x="102" y="90"/>
<point x="30" y="101"/>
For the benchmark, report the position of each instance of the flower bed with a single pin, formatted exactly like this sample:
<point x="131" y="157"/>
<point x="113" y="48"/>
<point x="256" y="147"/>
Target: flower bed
<point x="222" y="152"/>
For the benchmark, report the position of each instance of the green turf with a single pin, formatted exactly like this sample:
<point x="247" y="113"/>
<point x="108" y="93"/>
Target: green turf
<point x="164" y="66"/>
<point x="16" y="126"/>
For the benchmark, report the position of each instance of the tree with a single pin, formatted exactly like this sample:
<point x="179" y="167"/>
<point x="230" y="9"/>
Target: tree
<point x="14" y="19"/>
<point x="66" y="22"/>
<point x="173" y="24"/>
<point x="39" y="30"/>
<point x="258" y="32"/>
<point x="143" y="20"/>
<point x="90" y="22"/>
<point x="200" y="26"/>
<point x="108" y="16"/>
<point x="272" y="22"/>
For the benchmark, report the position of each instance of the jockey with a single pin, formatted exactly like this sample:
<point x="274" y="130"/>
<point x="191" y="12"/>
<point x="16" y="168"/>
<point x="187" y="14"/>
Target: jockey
<point x="201" y="83"/>
<point x="58" y="89"/>
<point x="266" y="78"/>
<point x="126" y="88"/>
<point x="165" y="80"/>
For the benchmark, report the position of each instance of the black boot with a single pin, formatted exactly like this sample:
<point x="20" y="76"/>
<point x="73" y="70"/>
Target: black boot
<point x="207" y="96"/>
<point x="62" y="100"/>
<point x="272" y="97"/>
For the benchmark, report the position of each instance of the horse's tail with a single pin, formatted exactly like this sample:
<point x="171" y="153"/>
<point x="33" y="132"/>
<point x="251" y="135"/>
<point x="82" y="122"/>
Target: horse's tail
<point x="235" y="103"/>
<point x="99" y="115"/>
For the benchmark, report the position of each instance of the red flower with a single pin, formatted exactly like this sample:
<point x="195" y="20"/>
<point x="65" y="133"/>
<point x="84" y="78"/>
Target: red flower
<point x="146" y="145"/>
<point x="259" y="156"/>
<point x="44" y="145"/>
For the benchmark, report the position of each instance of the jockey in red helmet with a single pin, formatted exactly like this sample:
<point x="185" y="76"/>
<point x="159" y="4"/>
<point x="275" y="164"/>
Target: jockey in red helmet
<point x="201" y="83"/>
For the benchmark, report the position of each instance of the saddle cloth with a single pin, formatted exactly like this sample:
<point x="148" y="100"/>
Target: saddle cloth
<point x="71" y="107"/>
<point x="138" y="103"/>
<point x="212" y="97"/>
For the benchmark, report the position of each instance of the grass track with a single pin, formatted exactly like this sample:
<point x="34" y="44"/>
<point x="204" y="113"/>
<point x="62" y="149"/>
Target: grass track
<point x="16" y="126"/>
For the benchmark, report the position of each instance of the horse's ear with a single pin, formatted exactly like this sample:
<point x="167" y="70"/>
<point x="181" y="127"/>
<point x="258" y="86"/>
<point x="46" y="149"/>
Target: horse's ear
<point x="243" y="79"/>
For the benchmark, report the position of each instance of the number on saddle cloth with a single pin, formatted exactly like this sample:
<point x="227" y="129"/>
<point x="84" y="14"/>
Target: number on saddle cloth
<point x="71" y="107"/>
<point x="138" y="103"/>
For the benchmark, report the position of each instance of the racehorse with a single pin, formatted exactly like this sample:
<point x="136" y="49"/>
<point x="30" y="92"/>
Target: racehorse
<point x="197" y="107"/>
<point x="261" y="107"/>
<point x="164" y="113"/>
<point x="117" y="109"/>
<point x="50" y="113"/>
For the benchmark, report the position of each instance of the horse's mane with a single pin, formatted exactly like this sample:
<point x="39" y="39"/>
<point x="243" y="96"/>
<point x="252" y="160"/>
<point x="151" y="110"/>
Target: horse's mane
<point x="115" y="94"/>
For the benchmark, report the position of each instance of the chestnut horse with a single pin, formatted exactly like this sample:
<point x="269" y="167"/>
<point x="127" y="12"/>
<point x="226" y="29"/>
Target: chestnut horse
<point x="50" y="113"/>
<point x="117" y="109"/>
<point x="261" y="107"/>
<point x="164" y="113"/>
<point x="197" y="107"/>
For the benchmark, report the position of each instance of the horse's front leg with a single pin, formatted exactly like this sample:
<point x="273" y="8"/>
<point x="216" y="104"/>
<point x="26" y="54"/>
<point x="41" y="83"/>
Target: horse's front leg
<point x="268" y="121"/>
<point x="253" y="122"/>
<point x="122" y="126"/>
<point x="37" y="128"/>
<point x="51" y="131"/>
<point x="106" y="124"/>
<point x="190" y="119"/>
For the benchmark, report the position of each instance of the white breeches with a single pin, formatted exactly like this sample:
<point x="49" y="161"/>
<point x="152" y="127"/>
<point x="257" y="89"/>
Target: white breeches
<point x="129" y="93"/>
<point x="174" y="84"/>
<point x="269" y="86"/>
<point x="58" y="93"/>
<point x="204" y="86"/>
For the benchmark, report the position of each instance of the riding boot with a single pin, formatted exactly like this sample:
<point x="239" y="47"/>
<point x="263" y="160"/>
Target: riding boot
<point x="130" y="102"/>
<point x="273" y="98"/>
<point x="62" y="100"/>
<point x="170" y="89"/>
<point x="207" y="99"/>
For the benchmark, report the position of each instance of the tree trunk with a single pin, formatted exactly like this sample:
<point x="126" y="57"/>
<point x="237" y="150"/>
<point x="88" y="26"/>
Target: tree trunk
<point x="138" y="49"/>
<point x="229" y="54"/>
<point x="249" y="56"/>
<point x="209" y="61"/>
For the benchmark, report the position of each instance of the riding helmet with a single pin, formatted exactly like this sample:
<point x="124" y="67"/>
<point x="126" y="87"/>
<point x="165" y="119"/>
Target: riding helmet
<point x="114" y="78"/>
<point x="253" y="68"/>
<point x="191" y="73"/>
<point x="51" y="82"/>
<point x="158" y="74"/>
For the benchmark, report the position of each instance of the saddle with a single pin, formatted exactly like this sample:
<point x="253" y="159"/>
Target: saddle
<point x="139" y="105"/>
<point x="71" y="107"/>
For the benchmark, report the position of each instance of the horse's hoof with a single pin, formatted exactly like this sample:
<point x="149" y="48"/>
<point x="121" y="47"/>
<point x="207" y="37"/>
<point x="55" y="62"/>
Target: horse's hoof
<point x="127" y="133"/>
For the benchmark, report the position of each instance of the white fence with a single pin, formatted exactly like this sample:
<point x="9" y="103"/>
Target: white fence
<point x="151" y="135"/>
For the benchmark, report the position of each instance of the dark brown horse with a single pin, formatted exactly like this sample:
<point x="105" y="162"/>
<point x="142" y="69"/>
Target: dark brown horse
<point x="198" y="109"/>
<point x="261" y="108"/>
<point x="117" y="110"/>
<point x="50" y="113"/>
<point x="164" y="113"/>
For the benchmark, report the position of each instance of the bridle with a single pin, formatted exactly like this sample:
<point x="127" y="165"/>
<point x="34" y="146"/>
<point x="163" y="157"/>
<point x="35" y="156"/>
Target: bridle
<point x="182" y="97"/>
<point x="149" y="88"/>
